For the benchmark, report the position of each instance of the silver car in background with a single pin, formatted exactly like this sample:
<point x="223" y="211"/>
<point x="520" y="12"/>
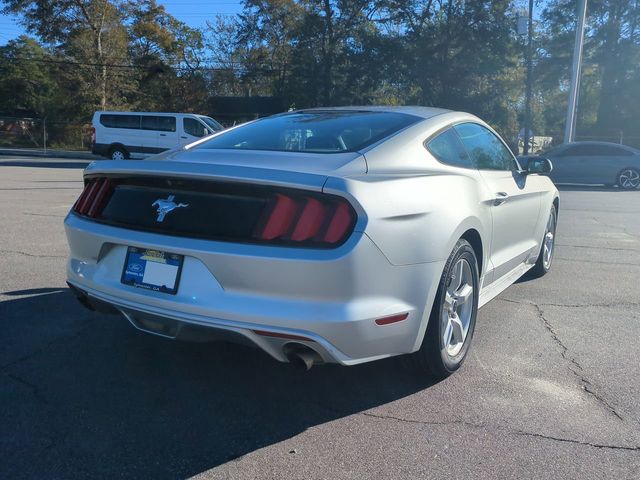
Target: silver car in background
<point x="599" y="163"/>
<point x="339" y="235"/>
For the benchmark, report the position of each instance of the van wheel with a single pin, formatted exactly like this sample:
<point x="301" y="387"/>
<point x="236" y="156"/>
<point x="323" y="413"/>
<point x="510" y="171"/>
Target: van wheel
<point x="118" y="153"/>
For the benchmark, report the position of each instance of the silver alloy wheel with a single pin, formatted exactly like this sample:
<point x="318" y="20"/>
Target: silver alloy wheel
<point x="117" y="155"/>
<point x="549" y="241"/>
<point x="629" y="178"/>
<point x="457" y="307"/>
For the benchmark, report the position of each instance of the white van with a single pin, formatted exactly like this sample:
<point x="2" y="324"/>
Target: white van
<point x="120" y="135"/>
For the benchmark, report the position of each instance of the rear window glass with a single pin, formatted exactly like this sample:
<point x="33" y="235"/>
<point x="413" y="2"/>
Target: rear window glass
<point x="314" y="132"/>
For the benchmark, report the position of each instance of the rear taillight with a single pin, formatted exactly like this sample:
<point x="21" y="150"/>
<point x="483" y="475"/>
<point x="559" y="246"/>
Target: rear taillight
<point x="94" y="197"/>
<point x="93" y="135"/>
<point x="310" y="219"/>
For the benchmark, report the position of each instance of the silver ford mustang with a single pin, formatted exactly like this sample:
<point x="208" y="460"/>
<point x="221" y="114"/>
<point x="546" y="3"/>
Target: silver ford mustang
<point x="339" y="235"/>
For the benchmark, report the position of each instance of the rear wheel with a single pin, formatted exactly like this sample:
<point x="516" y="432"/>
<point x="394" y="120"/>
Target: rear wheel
<point x="453" y="316"/>
<point x="543" y="263"/>
<point x="629" y="179"/>
<point x="118" y="153"/>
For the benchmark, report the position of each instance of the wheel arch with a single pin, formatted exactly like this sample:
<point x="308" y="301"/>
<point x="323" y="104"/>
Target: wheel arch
<point x="118" y="146"/>
<point x="473" y="237"/>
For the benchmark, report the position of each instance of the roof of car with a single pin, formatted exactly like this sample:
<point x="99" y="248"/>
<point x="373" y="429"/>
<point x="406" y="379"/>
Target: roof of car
<point x="423" y="112"/>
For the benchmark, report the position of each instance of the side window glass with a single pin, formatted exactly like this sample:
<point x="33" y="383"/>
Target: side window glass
<point x="610" y="151"/>
<point x="149" y="122"/>
<point x="577" y="151"/>
<point x="448" y="149"/>
<point x="166" y="124"/>
<point x="120" y="121"/>
<point x="193" y="127"/>
<point x="485" y="149"/>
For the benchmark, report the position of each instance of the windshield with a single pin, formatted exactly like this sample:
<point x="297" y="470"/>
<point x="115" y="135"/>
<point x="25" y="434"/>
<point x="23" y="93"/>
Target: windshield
<point x="316" y="132"/>
<point x="211" y="123"/>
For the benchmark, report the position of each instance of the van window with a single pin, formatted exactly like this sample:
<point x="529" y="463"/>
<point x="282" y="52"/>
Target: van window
<point x="120" y="121"/>
<point x="167" y="124"/>
<point x="158" y="122"/>
<point x="215" y="126"/>
<point x="193" y="127"/>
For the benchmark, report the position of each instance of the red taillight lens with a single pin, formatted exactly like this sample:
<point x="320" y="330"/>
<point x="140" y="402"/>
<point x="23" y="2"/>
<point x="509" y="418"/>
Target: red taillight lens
<point x="94" y="197"/>
<point x="93" y="135"/>
<point x="292" y="218"/>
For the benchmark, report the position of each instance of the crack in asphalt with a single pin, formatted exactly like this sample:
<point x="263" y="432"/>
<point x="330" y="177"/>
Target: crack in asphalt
<point x="509" y="430"/>
<point x="578" y="442"/>
<point x="500" y="428"/>
<point x="31" y="386"/>
<point x="583" y="261"/>
<point x="616" y="227"/>
<point x="599" y="247"/>
<point x="18" y="252"/>
<point x="575" y="305"/>
<point x="574" y="365"/>
<point x="423" y="422"/>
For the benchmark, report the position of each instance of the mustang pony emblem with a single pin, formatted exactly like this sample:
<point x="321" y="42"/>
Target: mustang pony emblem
<point x="166" y="205"/>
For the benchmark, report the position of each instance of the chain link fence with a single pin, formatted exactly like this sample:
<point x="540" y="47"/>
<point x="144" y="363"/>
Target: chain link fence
<point x="43" y="134"/>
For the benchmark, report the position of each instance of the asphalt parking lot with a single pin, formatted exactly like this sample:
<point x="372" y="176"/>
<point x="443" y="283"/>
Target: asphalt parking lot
<point x="551" y="388"/>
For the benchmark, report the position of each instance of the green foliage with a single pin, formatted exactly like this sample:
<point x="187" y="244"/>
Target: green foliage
<point x="132" y="54"/>
<point x="27" y="78"/>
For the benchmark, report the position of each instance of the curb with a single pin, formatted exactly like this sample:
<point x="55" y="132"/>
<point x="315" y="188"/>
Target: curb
<point x="50" y="153"/>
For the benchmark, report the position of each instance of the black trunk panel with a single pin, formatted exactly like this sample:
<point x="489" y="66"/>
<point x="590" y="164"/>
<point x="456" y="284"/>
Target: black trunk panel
<point x="214" y="210"/>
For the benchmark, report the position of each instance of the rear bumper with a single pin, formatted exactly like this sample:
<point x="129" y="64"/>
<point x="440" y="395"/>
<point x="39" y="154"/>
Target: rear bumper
<point x="330" y="297"/>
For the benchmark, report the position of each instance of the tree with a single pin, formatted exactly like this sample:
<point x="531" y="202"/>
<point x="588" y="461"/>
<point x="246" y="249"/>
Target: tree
<point x="89" y="31"/>
<point x="27" y="78"/>
<point x="609" y="103"/>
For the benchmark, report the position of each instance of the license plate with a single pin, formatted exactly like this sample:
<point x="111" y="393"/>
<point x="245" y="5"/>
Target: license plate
<point x="152" y="270"/>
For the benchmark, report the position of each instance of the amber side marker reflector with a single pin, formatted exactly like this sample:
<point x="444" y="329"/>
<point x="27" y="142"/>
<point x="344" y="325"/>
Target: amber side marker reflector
<point x="392" y="319"/>
<point x="264" y="333"/>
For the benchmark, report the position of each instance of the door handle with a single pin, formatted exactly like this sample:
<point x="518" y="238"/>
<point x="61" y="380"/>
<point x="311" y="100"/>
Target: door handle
<point x="163" y="134"/>
<point x="183" y="136"/>
<point x="501" y="197"/>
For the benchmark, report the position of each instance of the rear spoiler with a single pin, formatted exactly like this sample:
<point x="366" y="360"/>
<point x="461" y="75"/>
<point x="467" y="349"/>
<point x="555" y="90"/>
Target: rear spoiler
<point x="204" y="171"/>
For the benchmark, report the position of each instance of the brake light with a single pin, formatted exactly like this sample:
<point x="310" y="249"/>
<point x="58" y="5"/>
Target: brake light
<point x="94" y="197"/>
<point x="296" y="219"/>
<point x="93" y="135"/>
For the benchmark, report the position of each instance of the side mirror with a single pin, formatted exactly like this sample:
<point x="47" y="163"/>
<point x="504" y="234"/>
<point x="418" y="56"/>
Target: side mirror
<point x="539" y="165"/>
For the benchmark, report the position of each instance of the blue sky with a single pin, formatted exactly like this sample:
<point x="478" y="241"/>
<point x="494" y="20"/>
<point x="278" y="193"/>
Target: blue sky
<point x="192" y="12"/>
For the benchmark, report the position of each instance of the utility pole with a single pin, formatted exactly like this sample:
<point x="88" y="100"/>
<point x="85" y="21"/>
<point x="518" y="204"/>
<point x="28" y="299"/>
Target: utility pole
<point x="570" y="125"/>
<point x="527" y="101"/>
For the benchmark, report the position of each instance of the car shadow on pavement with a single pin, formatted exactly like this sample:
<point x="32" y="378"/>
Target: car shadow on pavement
<point x="87" y="395"/>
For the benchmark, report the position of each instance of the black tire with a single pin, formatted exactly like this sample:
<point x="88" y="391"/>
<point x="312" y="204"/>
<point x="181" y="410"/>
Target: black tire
<point x="118" y="153"/>
<point x="433" y="358"/>
<point x="542" y="267"/>
<point x="628" y="178"/>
